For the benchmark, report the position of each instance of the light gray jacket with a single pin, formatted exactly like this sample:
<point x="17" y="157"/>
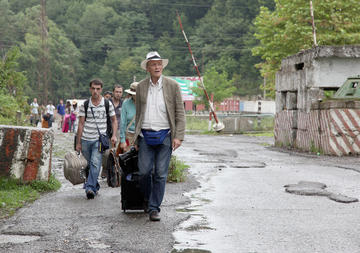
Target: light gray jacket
<point x="173" y="102"/>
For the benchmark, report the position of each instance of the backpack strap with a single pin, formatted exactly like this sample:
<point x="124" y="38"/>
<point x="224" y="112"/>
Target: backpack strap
<point x="107" y="107"/>
<point x="86" y="106"/>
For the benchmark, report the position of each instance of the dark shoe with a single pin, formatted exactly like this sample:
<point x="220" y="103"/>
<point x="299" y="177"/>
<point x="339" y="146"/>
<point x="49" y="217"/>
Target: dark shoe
<point x="90" y="194"/>
<point x="154" y="216"/>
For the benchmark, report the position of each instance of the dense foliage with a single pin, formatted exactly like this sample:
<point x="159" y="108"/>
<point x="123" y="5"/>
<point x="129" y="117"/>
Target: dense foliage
<point x="288" y="29"/>
<point x="12" y="85"/>
<point x="109" y="38"/>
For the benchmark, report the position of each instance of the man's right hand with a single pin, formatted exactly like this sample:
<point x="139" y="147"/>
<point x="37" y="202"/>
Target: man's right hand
<point x="136" y="147"/>
<point x="78" y="147"/>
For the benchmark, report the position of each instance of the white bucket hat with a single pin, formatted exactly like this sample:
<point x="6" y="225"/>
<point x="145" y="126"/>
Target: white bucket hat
<point x="132" y="89"/>
<point x="153" y="56"/>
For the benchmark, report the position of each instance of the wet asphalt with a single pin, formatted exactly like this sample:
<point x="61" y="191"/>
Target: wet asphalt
<point x="233" y="200"/>
<point x="66" y="221"/>
<point x="241" y="205"/>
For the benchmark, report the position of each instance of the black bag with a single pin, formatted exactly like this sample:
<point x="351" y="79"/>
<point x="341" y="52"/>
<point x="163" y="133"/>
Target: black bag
<point x="113" y="170"/>
<point x="131" y="196"/>
<point x="129" y="161"/>
<point x="104" y="143"/>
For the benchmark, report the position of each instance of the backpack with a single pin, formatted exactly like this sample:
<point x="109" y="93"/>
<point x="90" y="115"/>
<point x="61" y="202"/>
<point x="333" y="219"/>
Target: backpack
<point x="108" y="120"/>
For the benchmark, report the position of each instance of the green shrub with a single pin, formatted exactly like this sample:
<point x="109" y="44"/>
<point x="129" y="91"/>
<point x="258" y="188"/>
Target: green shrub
<point x="177" y="170"/>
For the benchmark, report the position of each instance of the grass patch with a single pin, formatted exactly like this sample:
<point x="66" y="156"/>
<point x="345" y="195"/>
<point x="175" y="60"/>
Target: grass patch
<point x="177" y="170"/>
<point x="197" y="123"/>
<point x="14" y="194"/>
<point x="267" y="134"/>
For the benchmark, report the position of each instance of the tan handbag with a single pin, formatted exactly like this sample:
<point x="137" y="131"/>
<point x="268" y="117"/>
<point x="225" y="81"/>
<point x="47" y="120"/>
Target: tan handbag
<point x="74" y="167"/>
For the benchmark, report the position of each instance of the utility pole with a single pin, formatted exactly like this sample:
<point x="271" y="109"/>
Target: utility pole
<point x="313" y="23"/>
<point x="264" y="87"/>
<point x="44" y="65"/>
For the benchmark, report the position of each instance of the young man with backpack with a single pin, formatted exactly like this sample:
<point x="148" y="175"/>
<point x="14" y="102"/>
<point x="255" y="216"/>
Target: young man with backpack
<point x="95" y="116"/>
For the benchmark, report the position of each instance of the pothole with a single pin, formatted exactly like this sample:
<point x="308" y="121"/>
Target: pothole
<point x="310" y="188"/>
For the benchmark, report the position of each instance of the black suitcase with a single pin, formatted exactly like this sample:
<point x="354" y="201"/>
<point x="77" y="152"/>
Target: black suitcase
<point x="131" y="195"/>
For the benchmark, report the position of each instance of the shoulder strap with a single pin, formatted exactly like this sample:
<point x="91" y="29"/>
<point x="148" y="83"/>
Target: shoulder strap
<point x="107" y="107"/>
<point x="127" y="129"/>
<point x="95" y="120"/>
<point x="86" y="105"/>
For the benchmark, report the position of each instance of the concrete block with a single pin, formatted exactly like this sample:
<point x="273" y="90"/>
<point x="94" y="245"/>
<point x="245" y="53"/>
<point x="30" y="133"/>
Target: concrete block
<point x="280" y="101"/>
<point x="25" y="152"/>
<point x="291" y="100"/>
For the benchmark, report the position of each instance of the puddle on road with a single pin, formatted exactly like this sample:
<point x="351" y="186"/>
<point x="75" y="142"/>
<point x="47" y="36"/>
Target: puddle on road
<point x="18" y="238"/>
<point x="190" y="251"/>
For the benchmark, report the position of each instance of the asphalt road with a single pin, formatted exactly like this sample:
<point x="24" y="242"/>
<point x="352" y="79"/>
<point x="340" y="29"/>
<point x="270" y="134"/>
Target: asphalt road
<point x="240" y="206"/>
<point x="65" y="221"/>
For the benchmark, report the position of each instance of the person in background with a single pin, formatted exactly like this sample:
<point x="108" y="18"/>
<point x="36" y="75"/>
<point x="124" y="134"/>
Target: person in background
<point x="117" y="102"/>
<point x="107" y="95"/>
<point x="50" y="108"/>
<point x="159" y="113"/>
<point x="74" y="116"/>
<point x="61" y="111"/>
<point x="67" y="121"/>
<point x="34" y="118"/>
<point x="128" y="112"/>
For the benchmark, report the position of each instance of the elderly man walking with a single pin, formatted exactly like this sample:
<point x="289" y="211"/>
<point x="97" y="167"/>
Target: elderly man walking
<point x="159" y="129"/>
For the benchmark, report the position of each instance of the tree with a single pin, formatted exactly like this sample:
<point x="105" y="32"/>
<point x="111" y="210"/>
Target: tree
<point x="12" y="85"/>
<point x="64" y="58"/>
<point x="223" y="38"/>
<point x="287" y="30"/>
<point x="215" y="83"/>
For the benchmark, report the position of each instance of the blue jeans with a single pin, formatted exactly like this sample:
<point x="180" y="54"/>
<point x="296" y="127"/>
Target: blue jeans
<point x="94" y="158"/>
<point x="157" y="157"/>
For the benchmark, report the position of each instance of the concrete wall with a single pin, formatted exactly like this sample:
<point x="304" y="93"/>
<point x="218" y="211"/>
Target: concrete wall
<point x="309" y="71"/>
<point x="301" y="120"/>
<point x="25" y="152"/>
<point x="252" y="106"/>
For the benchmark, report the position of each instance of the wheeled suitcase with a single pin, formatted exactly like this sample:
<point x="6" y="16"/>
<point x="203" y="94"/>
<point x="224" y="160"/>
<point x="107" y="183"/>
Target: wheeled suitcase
<point x="131" y="195"/>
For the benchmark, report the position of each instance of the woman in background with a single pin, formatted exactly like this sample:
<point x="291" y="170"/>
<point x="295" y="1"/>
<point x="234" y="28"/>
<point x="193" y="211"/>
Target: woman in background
<point x="127" y="122"/>
<point x="67" y="121"/>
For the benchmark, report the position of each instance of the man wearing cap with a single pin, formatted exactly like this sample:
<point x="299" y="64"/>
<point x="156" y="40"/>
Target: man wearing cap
<point x="159" y="129"/>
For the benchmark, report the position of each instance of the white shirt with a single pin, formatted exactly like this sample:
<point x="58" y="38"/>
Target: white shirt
<point x="34" y="108"/>
<point x="156" y="117"/>
<point x="50" y="109"/>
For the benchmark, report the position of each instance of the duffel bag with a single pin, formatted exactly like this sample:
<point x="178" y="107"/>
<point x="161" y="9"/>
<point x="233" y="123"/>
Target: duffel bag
<point x="129" y="161"/>
<point x="113" y="175"/>
<point x="75" y="166"/>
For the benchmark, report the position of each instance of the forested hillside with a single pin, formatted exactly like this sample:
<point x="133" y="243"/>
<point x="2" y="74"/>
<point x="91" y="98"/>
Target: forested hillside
<point x="109" y="38"/>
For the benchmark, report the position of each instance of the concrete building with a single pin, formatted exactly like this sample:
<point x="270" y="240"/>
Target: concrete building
<point x="303" y="119"/>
